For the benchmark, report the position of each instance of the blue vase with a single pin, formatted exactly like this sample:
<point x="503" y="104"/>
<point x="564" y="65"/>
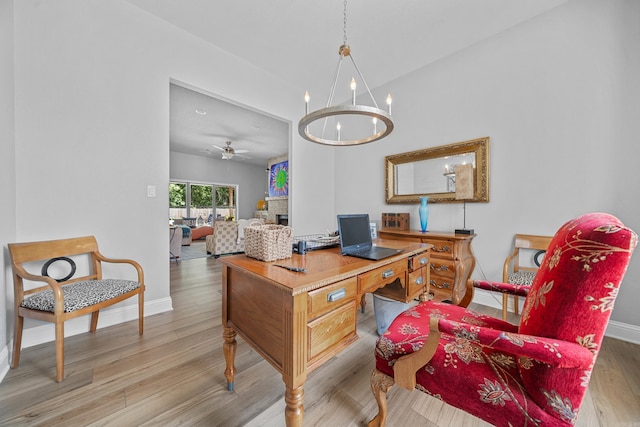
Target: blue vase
<point x="424" y="213"/>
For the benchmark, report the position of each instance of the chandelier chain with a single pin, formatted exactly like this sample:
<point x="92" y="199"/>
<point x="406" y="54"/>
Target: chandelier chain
<point x="345" y="23"/>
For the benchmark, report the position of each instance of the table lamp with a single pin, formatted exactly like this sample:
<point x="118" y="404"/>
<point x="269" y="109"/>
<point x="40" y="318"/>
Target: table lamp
<point x="464" y="192"/>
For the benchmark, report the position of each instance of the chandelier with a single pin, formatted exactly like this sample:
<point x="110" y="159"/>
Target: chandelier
<point x="309" y="126"/>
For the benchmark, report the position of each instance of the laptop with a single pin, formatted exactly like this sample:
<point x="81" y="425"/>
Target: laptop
<point x="355" y="238"/>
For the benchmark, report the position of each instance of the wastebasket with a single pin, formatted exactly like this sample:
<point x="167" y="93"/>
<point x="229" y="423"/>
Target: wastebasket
<point x="386" y="310"/>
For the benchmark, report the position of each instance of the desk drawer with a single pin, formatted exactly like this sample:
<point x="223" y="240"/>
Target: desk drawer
<point x="441" y="283"/>
<point x="328" y="332"/>
<point x="417" y="283"/>
<point x="441" y="248"/>
<point x="442" y="268"/>
<point x="369" y="282"/>
<point x="418" y="261"/>
<point x="329" y="297"/>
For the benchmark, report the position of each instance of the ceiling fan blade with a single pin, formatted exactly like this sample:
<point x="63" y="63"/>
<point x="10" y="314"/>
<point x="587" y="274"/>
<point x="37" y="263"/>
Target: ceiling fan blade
<point x="241" y="151"/>
<point x="219" y="148"/>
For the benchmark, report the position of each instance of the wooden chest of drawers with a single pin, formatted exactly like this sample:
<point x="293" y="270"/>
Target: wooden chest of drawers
<point x="451" y="258"/>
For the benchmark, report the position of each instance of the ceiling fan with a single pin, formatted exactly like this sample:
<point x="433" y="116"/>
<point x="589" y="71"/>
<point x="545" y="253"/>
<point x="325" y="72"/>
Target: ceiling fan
<point x="228" y="152"/>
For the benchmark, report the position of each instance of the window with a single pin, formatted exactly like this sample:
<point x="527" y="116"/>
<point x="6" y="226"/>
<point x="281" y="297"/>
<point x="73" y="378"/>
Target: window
<point x="178" y="200"/>
<point x="226" y="202"/>
<point x="201" y="203"/>
<point x="195" y="200"/>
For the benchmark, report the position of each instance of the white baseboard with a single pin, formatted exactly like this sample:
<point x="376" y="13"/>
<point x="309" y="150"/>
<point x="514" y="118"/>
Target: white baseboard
<point x="623" y="331"/>
<point x="46" y="332"/>
<point x="4" y="362"/>
<point x="80" y="325"/>
<point x="618" y="330"/>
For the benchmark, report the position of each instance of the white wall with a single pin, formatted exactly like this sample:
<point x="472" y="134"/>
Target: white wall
<point x="251" y="179"/>
<point x="7" y="172"/>
<point x="559" y="97"/>
<point x="92" y="131"/>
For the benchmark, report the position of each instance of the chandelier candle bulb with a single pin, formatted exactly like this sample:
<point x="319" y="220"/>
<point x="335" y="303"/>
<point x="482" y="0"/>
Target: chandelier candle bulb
<point x="389" y="101"/>
<point x="375" y="125"/>
<point x="353" y="90"/>
<point x="306" y="102"/>
<point x="338" y="127"/>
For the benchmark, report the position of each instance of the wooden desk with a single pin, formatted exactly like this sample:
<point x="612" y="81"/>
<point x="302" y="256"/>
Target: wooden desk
<point x="297" y="321"/>
<point x="452" y="262"/>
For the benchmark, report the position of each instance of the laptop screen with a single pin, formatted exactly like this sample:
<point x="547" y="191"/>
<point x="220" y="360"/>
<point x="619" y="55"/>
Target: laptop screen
<point x="354" y="231"/>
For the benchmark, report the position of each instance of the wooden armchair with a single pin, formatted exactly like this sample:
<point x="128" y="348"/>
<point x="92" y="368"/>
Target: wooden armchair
<point x="517" y="273"/>
<point x="534" y="374"/>
<point x="57" y="300"/>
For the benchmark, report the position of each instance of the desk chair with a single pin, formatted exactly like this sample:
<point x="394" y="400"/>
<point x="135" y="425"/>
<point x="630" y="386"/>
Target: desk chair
<point x="534" y="374"/>
<point x="515" y="273"/>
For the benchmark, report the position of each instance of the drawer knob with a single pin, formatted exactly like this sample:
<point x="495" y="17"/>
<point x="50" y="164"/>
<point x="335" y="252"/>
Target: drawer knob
<point x="419" y="281"/>
<point x="336" y="295"/>
<point x="387" y="273"/>
<point x="423" y="261"/>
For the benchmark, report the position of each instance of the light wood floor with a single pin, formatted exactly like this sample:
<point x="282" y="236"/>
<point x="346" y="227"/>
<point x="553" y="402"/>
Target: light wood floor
<point x="173" y="375"/>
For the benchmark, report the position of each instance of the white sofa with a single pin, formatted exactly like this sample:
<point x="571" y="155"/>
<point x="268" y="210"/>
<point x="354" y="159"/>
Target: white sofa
<point x="175" y="242"/>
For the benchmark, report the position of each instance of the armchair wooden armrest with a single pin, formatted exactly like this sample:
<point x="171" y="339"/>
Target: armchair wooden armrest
<point x="404" y="371"/>
<point x="512" y="258"/>
<point x="25" y="275"/>
<point x="21" y="274"/>
<point x="131" y="262"/>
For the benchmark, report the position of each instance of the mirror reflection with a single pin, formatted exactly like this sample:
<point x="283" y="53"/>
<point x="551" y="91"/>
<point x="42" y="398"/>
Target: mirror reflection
<point x="431" y="172"/>
<point x="430" y="176"/>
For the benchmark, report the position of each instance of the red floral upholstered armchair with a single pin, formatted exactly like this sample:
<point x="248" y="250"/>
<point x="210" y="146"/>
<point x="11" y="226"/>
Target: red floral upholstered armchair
<point x="535" y="374"/>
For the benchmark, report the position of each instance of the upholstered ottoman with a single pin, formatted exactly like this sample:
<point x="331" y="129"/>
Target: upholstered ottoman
<point x="201" y="232"/>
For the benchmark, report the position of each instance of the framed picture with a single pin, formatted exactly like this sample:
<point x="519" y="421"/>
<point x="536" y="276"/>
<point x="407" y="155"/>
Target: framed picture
<point x="279" y="179"/>
<point x="374" y="231"/>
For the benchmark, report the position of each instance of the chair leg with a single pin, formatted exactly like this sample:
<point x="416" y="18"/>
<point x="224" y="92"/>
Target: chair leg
<point x="380" y="385"/>
<point x="17" y="340"/>
<point x="94" y="321"/>
<point x="59" y="350"/>
<point x="516" y="310"/>
<point x="141" y="312"/>
<point x="505" y="304"/>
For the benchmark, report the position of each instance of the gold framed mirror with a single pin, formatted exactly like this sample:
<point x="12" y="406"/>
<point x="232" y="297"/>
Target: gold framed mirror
<point x="431" y="172"/>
